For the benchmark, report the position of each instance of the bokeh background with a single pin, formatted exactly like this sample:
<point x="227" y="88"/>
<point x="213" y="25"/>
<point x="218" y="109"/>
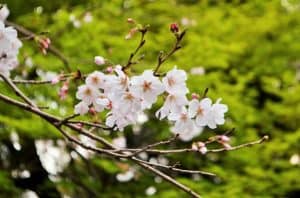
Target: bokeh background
<point x="247" y="52"/>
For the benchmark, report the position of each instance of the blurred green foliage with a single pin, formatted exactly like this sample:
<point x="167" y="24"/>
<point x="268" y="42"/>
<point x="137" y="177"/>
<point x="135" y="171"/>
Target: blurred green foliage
<point x="251" y="56"/>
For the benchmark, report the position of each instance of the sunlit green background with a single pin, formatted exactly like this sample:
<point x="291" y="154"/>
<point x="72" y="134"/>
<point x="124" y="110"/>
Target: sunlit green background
<point x="245" y="51"/>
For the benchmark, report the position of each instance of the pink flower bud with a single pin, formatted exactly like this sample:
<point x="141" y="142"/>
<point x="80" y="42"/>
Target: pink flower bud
<point x="79" y="125"/>
<point x="224" y="138"/>
<point x="92" y="111"/>
<point x="131" y="33"/>
<point x="203" y="150"/>
<point x="55" y="80"/>
<point x="174" y="27"/>
<point x="200" y="144"/>
<point x="109" y="70"/>
<point x="195" y="96"/>
<point x="44" y="44"/>
<point x="64" y="91"/>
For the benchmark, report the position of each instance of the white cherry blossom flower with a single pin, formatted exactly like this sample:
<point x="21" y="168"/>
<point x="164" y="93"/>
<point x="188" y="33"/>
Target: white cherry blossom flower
<point x="81" y="108"/>
<point x="147" y="87"/>
<point x="174" y="82"/>
<point x="173" y="103"/>
<point x="116" y="84"/>
<point x="184" y="125"/>
<point x="9" y="49"/>
<point x="117" y="120"/>
<point x="101" y="103"/>
<point x="87" y="93"/>
<point x="129" y="103"/>
<point x="96" y="79"/>
<point x="200" y="110"/>
<point x="216" y="114"/>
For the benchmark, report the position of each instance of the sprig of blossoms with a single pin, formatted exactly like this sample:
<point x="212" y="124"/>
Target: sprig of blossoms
<point x="124" y="98"/>
<point x="9" y="45"/>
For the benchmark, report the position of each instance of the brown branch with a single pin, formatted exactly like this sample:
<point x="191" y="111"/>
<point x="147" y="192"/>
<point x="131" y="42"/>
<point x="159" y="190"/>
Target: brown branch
<point x="248" y="144"/>
<point x="189" y="150"/>
<point x="53" y="119"/>
<point x="143" y="32"/>
<point x="32" y="82"/>
<point x="17" y="90"/>
<point x="163" y="57"/>
<point x="155" y="145"/>
<point x="173" y="168"/>
<point x="88" y="147"/>
<point x="170" y="179"/>
<point x="111" y="150"/>
<point x="89" y="124"/>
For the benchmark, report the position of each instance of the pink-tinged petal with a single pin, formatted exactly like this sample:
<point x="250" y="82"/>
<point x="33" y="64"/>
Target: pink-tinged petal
<point x="201" y="121"/>
<point x="193" y="106"/>
<point x="205" y="103"/>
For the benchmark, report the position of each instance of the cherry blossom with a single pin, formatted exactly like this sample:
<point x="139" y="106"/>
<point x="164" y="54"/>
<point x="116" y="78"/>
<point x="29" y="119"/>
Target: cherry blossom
<point x="101" y="103"/>
<point x="147" y="87"/>
<point x="81" y="108"/>
<point x="200" y="109"/>
<point x="117" y="83"/>
<point x="173" y="103"/>
<point x="9" y="49"/>
<point x="129" y="103"/>
<point x="87" y="93"/>
<point x="184" y="125"/>
<point x="174" y="82"/>
<point x="96" y="79"/>
<point x="115" y="119"/>
<point x="216" y="114"/>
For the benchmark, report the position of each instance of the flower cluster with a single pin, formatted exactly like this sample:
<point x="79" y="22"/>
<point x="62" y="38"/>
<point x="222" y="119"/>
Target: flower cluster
<point x="9" y="45"/>
<point x="127" y="97"/>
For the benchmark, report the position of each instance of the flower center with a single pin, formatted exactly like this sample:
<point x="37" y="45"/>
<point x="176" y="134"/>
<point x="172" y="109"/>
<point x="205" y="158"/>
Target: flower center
<point x="171" y="82"/>
<point x="129" y="96"/>
<point x="95" y="80"/>
<point x="183" y="117"/>
<point x="88" y="92"/>
<point x="200" y="111"/>
<point x="123" y="81"/>
<point x="146" y="86"/>
<point x="172" y="98"/>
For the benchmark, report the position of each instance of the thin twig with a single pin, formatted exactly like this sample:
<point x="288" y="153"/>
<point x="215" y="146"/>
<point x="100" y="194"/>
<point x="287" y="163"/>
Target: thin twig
<point x="155" y="145"/>
<point x="65" y="120"/>
<point x="173" y="168"/>
<point x="143" y="32"/>
<point x="170" y="179"/>
<point x="248" y="144"/>
<point x="32" y="82"/>
<point x="17" y="90"/>
<point x="190" y="150"/>
<point x="163" y="57"/>
<point x="90" y="124"/>
<point x="52" y="119"/>
<point x="88" y="147"/>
